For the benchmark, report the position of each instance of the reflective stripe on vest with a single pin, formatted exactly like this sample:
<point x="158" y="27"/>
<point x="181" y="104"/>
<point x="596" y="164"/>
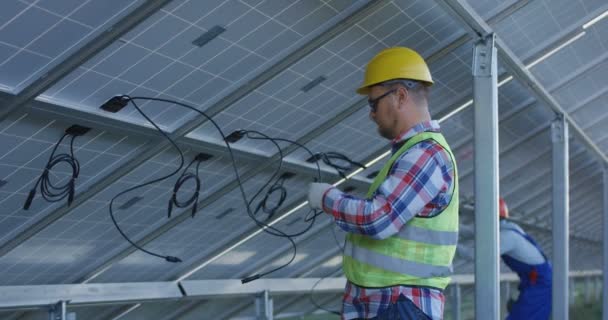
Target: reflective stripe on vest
<point x="437" y="237"/>
<point x="420" y="254"/>
<point x="397" y="265"/>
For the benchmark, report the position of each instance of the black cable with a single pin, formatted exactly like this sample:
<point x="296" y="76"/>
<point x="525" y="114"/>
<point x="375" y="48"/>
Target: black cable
<point x="329" y="158"/>
<point x="264" y="205"/>
<point x="277" y="186"/>
<point x="167" y="258"/>
<point x="193" y="200"/>
<point x="308" y="217"/>
<point x="49" y="191"/>
<point x="312" y="299"/>
<point x="265" y="227"/>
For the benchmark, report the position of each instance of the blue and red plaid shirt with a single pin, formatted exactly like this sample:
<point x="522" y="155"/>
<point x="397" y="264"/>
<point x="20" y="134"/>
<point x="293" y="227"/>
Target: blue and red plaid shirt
<point x="418" y="184"/>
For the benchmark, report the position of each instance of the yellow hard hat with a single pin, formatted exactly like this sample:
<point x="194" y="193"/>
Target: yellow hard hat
<point x="395" y="63"/>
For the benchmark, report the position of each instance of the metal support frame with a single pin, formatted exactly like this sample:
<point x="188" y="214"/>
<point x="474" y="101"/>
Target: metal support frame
<point x="560" y="182"/>
<point x="571" y="292"/>
<point x="487" y="286"/>
<point x="597" y="289"/>
<point x="456" y="302"/>
<point x="605" y="247"/>
<point x="588" y="289"/>
<point x="43" y="296"/>
<point x="58" y="311"/>
<point x="263" y="306"/>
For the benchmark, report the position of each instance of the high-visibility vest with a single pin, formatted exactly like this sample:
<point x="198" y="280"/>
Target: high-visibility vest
<point x="420" y="254"/>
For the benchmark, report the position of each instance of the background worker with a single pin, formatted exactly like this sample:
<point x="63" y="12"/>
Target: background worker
<point x="523" y="255"/>
<point x="402" y="237"/>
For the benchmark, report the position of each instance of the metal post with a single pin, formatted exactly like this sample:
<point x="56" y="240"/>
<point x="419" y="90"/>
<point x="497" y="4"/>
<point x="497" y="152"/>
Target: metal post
<point x="559" y="137"/>
<point x="588" y="290"/>
<point x="58" y="311"/>
<point x="572" y="294"/>
<point x="505" y="300"/>
<point x="605" y="249"/>
<point x="487" y="285"/>
<point x="456" y="302"/>
<point x="263" y="306"/>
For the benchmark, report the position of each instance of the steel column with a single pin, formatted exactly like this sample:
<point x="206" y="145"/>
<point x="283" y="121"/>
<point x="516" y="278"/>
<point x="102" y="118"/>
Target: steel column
<point x="559" y="137"/>
<point x="487" y="286"/>
<point x="456" y="302"/>
<point x="263" y="306"/>
<point x="605" y="249"/>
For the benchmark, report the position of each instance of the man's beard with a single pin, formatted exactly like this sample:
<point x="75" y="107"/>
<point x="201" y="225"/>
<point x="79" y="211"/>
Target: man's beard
<point x="386" y="132"/>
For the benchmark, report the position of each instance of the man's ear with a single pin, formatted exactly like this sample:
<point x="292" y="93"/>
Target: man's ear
<point x="402" y="95"/>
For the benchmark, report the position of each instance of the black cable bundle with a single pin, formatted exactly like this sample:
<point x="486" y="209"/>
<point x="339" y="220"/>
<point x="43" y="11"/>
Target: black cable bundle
<point x="334" y="159"/>
<point x="193" y="200"/>
<point x="49" y="191"/>
<point x="264" y="206"/>
<point x="121" y="101"/>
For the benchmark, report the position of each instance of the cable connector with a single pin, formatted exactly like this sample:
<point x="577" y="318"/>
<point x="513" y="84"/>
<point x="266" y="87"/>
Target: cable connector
<point x="203" y="157"/>
<point x="115" y="104"/>
<point x="71" y="192"/>
<point x="235" y="136"/>
<point x="287" y="175"/>
<point x="30" y="198"/>
<point x="195" y="205"/>
<point x="170" y="209"/>
<point x="314" y="158"/>
<point x="173" y="259"/>
<point x="77" y="130"/>
<point x="251" y="278"/>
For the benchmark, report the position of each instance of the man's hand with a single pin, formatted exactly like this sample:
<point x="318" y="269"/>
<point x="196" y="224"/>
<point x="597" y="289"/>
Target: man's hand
<point x="316" y="191"/>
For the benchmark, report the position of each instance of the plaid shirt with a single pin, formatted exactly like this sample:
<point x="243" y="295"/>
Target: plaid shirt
<point x="418" y="184"/>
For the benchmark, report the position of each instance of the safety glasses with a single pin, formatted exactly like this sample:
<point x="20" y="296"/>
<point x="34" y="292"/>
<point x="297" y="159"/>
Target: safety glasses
<point x="373" y="103"/>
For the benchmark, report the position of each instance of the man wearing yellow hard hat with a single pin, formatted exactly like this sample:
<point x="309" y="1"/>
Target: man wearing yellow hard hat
<point x="402" y="237"/>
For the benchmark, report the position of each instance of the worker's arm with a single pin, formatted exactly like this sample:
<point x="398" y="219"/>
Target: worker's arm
<point x="507" y="241"/>
<point x="421" y="175"/>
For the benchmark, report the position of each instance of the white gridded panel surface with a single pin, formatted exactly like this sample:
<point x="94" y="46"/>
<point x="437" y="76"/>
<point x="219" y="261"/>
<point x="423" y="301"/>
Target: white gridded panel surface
<point x="281" y="108"/>
<point x="36" y="35"/>
<point x="158" y="58"/>
<point x="547" y="18"/>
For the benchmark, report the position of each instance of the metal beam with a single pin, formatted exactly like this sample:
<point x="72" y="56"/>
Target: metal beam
<point x="94" y="46"/>
<point x="605" y="242"/>
<point x="207" y="289"/>
<point x="209" y="146"/>
<point x="35" y="296"/>
<point x="485" y="82"/>
<point x="264" y="309"/>
<point x="561" y="217"/>
<point x="303" y="271"/>
<point x="456" y="302"/>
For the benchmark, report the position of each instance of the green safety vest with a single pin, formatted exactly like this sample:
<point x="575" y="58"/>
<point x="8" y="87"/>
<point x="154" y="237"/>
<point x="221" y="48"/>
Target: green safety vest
<point x="420" y="254"/>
